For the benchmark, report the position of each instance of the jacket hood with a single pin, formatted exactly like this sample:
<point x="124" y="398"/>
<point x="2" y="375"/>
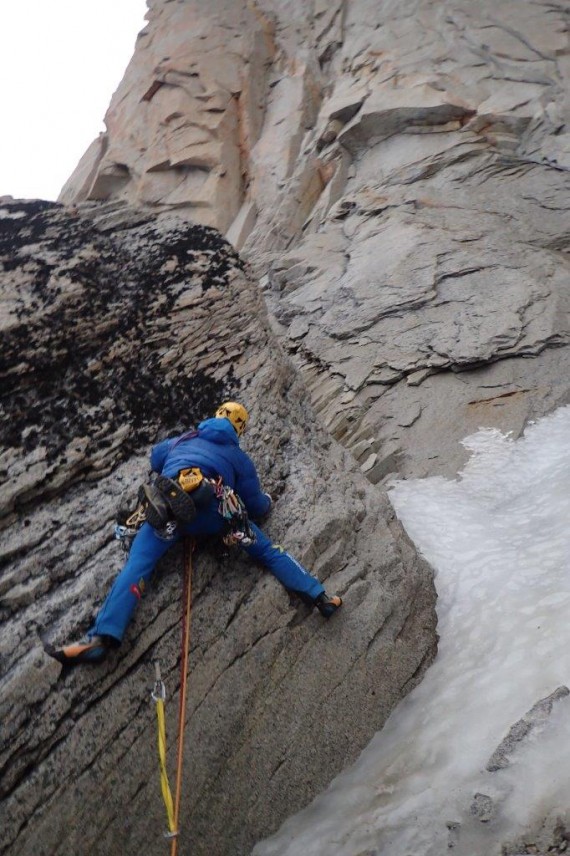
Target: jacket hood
<point x="218" y="430"/>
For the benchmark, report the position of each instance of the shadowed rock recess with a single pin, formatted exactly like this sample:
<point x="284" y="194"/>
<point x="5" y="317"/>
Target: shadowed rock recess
<point x="118" y="328"/>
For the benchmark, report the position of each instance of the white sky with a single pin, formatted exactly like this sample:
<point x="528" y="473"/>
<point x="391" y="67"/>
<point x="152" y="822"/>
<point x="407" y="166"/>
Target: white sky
<point x="60" y="62"/>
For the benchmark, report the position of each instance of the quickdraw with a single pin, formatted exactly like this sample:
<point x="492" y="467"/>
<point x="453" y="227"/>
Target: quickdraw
<point x="128" y="526"/>
<point x="125" y="536"/>
<point x="238" y="529"/>
<point x="158" y="695"/>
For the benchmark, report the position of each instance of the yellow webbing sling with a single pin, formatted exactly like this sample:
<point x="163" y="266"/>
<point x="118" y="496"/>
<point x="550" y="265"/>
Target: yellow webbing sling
<point x="159" y="694"/>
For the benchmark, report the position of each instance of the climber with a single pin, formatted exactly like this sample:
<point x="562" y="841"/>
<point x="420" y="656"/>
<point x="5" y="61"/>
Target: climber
<point x="224" y="491"/>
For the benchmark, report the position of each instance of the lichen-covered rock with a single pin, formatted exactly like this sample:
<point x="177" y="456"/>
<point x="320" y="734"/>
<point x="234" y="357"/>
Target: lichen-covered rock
<point x="92" y="341"/>
<point x="119" y="328"/>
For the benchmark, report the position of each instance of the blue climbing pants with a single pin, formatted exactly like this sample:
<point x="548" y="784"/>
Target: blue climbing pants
<point x="148" y="547"/>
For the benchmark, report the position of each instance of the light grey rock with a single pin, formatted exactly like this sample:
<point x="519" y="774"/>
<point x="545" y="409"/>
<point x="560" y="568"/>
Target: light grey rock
<point x="454" y="833"/>
<point x="551" y="836"/>
<point x="181" y="125"/>
<point x="533" y="721"/>
<point x="449" y="229"/>
<point x="118" y="329"/>
<point x="483" y="808"/>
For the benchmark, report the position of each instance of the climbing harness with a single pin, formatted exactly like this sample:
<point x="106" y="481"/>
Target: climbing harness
<point x="159" y="695"/>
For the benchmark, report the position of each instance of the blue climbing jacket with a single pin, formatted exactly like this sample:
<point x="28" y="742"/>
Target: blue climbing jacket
<point x="215" y="449"/>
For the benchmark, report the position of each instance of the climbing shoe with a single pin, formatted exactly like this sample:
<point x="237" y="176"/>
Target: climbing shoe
<point x="93" y="651"/>
<point x="327" y="605"/>
<point x="181" y="504"/>
<point x="154" y="506"/>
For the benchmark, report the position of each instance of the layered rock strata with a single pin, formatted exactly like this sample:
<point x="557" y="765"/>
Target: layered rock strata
<point x="119" y="328"/>
<point x="402" y="195"/>
<point x="180" y="131"/>
<point x="398" y="173"/>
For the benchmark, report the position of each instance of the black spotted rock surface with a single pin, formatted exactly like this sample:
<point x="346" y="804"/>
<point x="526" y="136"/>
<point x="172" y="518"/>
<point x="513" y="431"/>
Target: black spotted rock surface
<point x="119" y="328"/>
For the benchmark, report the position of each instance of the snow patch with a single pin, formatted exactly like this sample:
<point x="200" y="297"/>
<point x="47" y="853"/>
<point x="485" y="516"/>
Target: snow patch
<point x="498" y="538"/>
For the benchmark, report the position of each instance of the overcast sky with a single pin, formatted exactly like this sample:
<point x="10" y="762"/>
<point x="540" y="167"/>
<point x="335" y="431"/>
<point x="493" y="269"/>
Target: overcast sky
<point x="60" y="62"/>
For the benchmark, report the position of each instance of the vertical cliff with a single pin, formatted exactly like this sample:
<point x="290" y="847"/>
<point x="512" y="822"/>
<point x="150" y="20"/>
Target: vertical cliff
<point x="120" y="328"/>
<point x="397" y="176"/>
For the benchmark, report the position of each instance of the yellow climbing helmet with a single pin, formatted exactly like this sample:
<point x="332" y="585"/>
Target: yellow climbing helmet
<point x="236" y="413"/>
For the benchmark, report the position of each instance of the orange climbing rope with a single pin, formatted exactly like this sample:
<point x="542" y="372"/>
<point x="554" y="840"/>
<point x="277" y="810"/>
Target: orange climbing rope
<point x="159" y="695"/>
<point x="187" y="605"/>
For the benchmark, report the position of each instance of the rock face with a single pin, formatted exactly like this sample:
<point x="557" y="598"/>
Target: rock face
<point x="396" y="176"/>
<point x="181" y="129"/>
<point x="397" y="173"/>
<point x="119" y="327"/>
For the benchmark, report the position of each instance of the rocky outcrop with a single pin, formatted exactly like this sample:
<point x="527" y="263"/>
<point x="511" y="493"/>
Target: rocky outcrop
<point x="417" y="290"/>
<point x="548" y="836"/>
<point x="119" y="327"/>
<point x="396" y="177"/>
<point x="181" y="127"/>
<point x="533" y="722"/>
<point x="404" y="185"/>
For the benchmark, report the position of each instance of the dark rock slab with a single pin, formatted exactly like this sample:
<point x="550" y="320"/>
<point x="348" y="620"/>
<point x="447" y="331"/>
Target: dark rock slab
<point x="117" y="330"/>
